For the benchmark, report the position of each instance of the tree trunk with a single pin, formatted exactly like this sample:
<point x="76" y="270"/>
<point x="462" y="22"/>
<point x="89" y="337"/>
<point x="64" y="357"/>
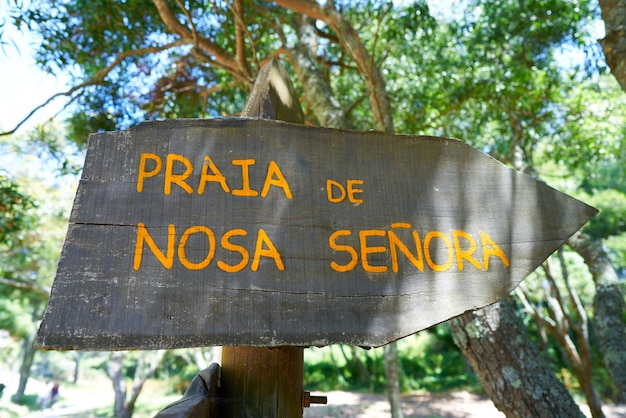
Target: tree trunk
<point x="609" y="308"/>
<point x="78" y="355"/>
<point x="115" y="370"/>
<point x="28" y="355"/>
<point x="614" y="42"/>
<point x="510" y="367"/>
<point x="144" y="370"/>
<point x="392" y="375"/>
<point x="349" y="39"/>
<point x="147" y="365"/>
<point x="319" y="93"/>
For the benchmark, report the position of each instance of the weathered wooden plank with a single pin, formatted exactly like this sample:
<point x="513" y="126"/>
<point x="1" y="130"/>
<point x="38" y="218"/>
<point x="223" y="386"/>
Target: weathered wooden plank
<point x="262" y="381"/>
<point x="332" y="216"/>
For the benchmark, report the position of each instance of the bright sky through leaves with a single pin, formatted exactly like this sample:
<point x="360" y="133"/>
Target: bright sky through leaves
<point x="23" y="86"/>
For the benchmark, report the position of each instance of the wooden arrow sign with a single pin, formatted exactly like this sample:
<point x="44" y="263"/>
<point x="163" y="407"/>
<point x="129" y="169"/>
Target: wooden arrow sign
<point x="260" y="233"/>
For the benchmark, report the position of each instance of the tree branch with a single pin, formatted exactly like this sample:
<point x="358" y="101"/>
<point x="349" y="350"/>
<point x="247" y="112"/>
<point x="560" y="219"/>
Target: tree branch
<point x="353" y="106"/>
<point x="349" y="39"/>
<point x="377" y="34"/>
<point x="555" y="300"/>
<point x="579" y="327"/>
<point x="546" y="322"/>
<point x="320" y="96"/>
<point x="97" y="78"/>
<point x="218" y="56"/>
<point x="193" y="26"/>
<point x="43" y="290"/>
<point x="143" y="372"/>
<point x="240" y="32"/>
<point x="206" y="93"/>
<point x="609" y="306"/>
<point x="614" y="42"/>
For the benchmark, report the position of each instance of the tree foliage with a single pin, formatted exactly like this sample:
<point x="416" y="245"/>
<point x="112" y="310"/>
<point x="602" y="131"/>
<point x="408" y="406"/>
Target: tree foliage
<point x="15" y="208"/>
<point x="34" y="221"/>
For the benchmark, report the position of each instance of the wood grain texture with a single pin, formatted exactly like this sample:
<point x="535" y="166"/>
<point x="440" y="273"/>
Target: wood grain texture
<point x="404" y="185"/>
<point x="262" y="382"/>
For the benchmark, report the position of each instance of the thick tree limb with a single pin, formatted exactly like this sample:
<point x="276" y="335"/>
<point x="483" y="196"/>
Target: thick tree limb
<point x="216" y="55"/>
<point x="518" y="380"/>
<point x="614" y="42"/>
<point x="609" y="307"/>
<point x="319" y="92"/>
<point x="349" y="39"/>
<point x="143" y="371"/>
<point x="35" y="287"/>
<point x="240" y="35"/>
<point x="582" y="326"/>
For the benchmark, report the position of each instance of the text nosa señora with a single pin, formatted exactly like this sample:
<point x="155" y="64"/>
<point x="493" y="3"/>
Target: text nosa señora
<point x="238" y="249"/>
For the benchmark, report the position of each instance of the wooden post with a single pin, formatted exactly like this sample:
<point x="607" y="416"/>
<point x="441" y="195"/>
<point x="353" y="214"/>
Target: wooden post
<point x="259" y="381"/>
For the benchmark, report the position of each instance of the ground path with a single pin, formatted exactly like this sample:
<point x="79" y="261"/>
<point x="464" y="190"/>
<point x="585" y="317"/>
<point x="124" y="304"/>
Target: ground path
<point x="458" y="404"/>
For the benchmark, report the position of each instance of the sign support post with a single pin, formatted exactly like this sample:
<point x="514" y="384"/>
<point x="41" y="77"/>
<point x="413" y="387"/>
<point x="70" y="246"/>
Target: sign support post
<point x="261" y="381"/>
